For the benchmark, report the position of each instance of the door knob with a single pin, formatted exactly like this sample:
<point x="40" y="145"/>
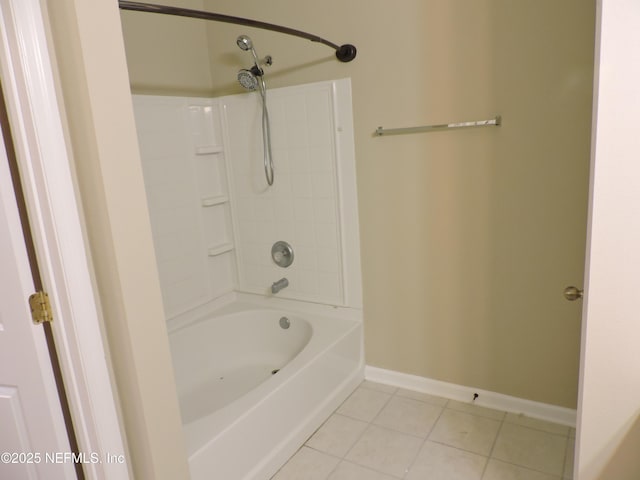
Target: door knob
<point x="573" y="293"/>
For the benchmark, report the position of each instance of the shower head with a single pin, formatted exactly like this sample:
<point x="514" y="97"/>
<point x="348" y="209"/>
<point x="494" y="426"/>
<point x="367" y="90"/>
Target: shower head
<point x="248" y="79"/>
<point x="244" y="43"/>
<point x="252" y="78"/>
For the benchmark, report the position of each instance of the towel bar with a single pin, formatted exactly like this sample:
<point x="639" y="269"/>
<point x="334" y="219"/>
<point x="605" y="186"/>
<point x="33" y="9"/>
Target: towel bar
<point x="430" y="128"/>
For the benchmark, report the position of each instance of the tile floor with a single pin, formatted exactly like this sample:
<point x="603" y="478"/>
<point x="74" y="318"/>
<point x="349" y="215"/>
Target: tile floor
<point x="387" y="433"/>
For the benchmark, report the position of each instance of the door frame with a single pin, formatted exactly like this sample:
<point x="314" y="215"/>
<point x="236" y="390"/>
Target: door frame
<point x="54" y="208"/>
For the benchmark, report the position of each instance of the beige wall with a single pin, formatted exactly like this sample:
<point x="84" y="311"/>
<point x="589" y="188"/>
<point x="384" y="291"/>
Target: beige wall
<point x="468" y="237"/>
<point x="94" y="84"/>
<point x="168" y="54"/>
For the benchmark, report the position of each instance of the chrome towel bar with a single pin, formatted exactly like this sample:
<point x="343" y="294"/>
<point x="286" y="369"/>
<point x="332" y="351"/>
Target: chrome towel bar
<point x="432" y="128"/>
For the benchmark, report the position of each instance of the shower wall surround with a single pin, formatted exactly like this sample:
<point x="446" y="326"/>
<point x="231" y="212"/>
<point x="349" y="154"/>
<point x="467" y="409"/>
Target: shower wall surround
<point x="302" y="206"/>
<point x="184" y="174"/>
<point x="213" y="217"/>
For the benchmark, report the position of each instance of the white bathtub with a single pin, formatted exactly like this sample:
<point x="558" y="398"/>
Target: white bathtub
<point x="241" y="420"/>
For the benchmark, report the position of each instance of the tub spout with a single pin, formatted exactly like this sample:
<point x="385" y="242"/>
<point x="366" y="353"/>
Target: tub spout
<point x="279" y="285"/>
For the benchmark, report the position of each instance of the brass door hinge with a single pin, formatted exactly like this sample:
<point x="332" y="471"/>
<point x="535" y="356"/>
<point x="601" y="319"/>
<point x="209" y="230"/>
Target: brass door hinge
<point x="40" y="308"/>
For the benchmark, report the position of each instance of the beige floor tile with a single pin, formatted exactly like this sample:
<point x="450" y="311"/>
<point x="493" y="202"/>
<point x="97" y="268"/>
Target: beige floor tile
<point x="534" y="449"/>
<point x="423" y="397"/>
<point x="364" y="404"/>
<point x="537" y="424"/>
<point x="307" y="464"/>
<point x="337" y="435"/>
<point x="385" y="450"/>
<point x="408" y="416"/>
<point x="440" y="462"/>
<point x="468" y="432"/>
<point x="378" y="432"/>
<point x="381" y="387"/>
<point x="497" y="470"/>
<point x="351" y="471"/>
<point x="474" y="409"/>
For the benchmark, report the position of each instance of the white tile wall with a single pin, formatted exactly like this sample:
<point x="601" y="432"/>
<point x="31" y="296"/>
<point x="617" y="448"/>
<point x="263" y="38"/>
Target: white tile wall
<point x="183" y="164"/>
<point x="302" y="205"/>
<point x="213" y="217"/>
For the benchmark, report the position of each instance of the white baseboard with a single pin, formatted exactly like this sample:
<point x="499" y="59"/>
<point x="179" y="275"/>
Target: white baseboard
<point x="498" y="401"/>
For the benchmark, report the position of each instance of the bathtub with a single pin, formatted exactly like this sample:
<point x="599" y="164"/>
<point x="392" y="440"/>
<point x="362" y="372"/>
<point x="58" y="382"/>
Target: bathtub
<point x="251" y="392"/>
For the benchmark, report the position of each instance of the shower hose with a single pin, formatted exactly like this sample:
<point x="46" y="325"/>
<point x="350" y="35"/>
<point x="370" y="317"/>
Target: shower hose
<point x="266" y="134"/>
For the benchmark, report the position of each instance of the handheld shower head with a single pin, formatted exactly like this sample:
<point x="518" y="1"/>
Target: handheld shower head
<point x="248" y="78"/>
<point x="253" y="79"/>
<point x="244" y="43"/>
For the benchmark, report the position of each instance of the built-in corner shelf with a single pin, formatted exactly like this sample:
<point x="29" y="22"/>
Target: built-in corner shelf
<point x="209" y="149"/>
<point x="220" y="249"/>
<point x="214" y="200"/>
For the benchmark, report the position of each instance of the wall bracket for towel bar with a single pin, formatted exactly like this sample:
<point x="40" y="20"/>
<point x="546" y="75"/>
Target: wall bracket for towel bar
<point x="432" y="128"/>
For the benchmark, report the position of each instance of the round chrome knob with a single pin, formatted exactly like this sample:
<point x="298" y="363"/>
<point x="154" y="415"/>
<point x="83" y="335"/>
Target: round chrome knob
<point x="573" y="293"/>
<point x="282" y="254"/>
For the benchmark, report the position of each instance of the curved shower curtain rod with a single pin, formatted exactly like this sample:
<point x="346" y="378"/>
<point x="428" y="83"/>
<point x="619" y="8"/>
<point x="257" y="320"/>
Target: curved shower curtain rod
<point x="344" y="53"/>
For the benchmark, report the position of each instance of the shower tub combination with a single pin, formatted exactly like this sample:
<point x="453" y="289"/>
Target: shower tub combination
<point x="255" y="373"/>
<point x="257" y="369"/>
<point x="255" y="382"/>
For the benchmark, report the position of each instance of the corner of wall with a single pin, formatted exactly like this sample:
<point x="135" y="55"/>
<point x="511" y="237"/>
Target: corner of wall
<point x="100" y="126"/>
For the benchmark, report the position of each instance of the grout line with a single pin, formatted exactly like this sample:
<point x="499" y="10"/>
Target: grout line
<point x="369" y="386"/>
<point x="334" y="468"/>
<point x="562" y="435"/>
<point x="369" y="423"/>
<point x="529" y="468"/>
<point x="538" y="429"/>
<point x="566" y="457"/>
<point x="391" y="396"/>
<point x="495" y="441"/>
<point x="356" y="441"/>
<point x="425" y="440"/>
<point x="457" y="448"/>
<point x="364" y="467"/>
<point x="322" y="452"/>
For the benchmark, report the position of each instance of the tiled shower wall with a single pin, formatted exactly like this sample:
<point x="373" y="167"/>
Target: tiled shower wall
<point x="214" y="219"/>
<point x="301" y="207"/>
<point x="185" y="180"/>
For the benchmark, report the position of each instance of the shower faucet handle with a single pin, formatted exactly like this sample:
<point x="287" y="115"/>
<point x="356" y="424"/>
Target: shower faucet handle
<point x="282" y="254"/>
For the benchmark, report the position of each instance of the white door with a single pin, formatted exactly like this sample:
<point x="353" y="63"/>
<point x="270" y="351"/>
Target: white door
<point x="33" y="438"/>
<point x="609" y="403"/>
